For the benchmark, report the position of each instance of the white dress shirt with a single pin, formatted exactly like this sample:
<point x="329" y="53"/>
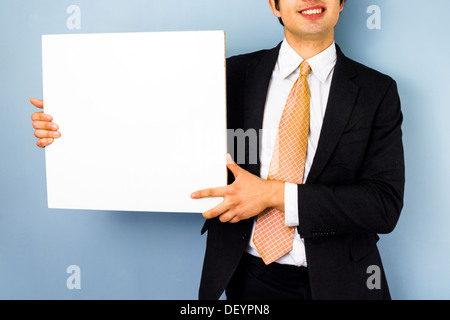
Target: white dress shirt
<point x="285" y="73"/>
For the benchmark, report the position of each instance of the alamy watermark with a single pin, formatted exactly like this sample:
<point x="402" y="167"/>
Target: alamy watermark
<point x="74" y="20"/>
<point x="374" y="21"/>
<point x="73" y="282"/>
<point x="374" y="280"/>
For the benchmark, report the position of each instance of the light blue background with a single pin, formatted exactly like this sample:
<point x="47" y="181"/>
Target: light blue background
<point x="125" y="255"/>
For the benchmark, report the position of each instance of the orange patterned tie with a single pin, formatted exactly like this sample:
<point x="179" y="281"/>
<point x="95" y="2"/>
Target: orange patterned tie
<point x="272" y="238"/>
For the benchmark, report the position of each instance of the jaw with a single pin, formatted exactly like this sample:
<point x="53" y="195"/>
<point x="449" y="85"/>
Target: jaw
<point x="311" y="22"/>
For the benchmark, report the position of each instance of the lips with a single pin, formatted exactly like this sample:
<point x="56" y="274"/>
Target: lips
<point x="315" y="11"/>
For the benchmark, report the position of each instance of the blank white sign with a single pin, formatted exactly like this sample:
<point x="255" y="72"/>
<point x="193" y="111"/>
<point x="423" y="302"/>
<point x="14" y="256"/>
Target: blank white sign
<point x="142" y="118"/>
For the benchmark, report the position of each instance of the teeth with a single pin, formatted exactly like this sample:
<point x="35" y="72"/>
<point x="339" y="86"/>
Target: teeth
<point x="312" y="12"/>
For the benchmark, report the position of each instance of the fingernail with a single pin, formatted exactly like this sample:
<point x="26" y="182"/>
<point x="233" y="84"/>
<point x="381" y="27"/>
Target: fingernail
<point x="49" y="140"/>
<point x="55" y="134"/>
<point x="193" y="195"/>
<point x="54" y="126"/>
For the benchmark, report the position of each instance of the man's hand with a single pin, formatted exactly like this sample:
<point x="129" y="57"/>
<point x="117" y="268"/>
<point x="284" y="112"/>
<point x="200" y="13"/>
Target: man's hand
<point x="245" y="198"/>
<point x="46" y="130"/>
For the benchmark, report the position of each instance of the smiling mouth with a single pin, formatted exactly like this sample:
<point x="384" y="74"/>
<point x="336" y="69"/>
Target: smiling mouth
<point x="313" y="11"/>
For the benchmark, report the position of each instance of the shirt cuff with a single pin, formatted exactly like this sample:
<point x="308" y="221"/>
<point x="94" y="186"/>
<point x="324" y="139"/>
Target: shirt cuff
<point x="291" y="204"/>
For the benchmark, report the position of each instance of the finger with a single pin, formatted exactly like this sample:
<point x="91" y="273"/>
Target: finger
<point x="42" y="143"/>
<point x="46" y="134"/>
<point x="219" y="210"/>
<point x="209" y="193"/>
<point x="44" y="125"/>
<point x="235" y="220"/>
<point x="234" y="168"/>
<point x="37" y="103"/>
<point x="40" y="116"/>
<point x="227" y="217"/>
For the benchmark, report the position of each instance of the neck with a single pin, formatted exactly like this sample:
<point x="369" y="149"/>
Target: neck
<point x="308" y="48"/>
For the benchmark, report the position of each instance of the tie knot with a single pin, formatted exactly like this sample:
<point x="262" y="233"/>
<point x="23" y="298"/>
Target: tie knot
<point x="305" y="68"/>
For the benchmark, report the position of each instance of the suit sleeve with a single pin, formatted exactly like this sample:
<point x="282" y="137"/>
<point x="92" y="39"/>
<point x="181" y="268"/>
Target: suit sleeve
<point x="374" y="202"/>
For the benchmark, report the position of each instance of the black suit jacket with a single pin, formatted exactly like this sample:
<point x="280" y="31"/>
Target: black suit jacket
<point x="354" y="190"/>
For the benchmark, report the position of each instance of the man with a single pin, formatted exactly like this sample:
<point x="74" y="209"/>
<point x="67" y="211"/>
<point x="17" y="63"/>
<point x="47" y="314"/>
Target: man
<point x="302" y="222"/>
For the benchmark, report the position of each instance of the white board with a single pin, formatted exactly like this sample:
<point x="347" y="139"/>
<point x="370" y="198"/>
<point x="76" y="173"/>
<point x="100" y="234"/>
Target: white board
<point x="142" y="118"/>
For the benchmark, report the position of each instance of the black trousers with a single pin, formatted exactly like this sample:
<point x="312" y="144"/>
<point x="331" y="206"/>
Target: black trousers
<point x="254" y="280"/>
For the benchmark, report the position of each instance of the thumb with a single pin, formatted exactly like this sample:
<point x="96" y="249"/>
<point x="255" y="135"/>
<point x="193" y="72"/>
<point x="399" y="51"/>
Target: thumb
<point x="234" y="168"/>
<point x="37" y="103"/>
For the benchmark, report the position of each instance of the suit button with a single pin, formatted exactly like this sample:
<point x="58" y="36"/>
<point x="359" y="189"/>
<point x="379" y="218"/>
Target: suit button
<point x="244" y="236"/>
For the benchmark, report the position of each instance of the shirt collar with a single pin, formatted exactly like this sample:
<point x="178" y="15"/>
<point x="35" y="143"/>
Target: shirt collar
<point x="321" y="64"/>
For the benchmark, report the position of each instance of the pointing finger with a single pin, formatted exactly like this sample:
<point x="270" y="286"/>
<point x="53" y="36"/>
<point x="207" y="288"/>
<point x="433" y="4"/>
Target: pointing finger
<point x="209" y="193"/>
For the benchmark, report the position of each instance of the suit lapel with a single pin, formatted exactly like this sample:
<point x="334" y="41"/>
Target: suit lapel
<point x="259" y="73"/>
<point x="342" y="97"/>
<point x="343" y="93"/>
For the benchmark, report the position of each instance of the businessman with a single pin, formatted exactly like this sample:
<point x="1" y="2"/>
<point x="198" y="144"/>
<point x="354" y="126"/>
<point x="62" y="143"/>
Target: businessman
<point x="303" y="221"/>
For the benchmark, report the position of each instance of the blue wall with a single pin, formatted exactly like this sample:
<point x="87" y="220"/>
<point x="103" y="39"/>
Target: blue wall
<point x="412" y="46"/>
<point x="125" y="255"/>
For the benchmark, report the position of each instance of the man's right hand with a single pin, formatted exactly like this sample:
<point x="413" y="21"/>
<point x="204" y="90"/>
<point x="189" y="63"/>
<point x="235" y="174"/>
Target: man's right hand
<point x="45" y="129"/>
